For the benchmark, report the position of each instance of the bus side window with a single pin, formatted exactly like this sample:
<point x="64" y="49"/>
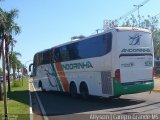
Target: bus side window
<point x="56" y="55"/>
<point x="64" y="53"/>
<point x="46" y="57"/>
<point x="108" y="41"/>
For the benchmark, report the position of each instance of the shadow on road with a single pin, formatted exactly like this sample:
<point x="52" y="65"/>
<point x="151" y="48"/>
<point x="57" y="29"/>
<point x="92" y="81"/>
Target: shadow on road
<point x="56" y="103"/>
<point x="20" y="96"/>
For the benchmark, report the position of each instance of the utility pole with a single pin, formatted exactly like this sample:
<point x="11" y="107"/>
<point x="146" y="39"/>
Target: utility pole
<point x="138" y="6"/>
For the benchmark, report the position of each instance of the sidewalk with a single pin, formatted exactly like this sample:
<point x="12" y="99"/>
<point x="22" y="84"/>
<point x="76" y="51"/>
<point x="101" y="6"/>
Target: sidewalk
<point x="156" y="84"/>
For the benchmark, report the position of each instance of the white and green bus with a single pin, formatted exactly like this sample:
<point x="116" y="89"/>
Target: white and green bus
<point x="113" y="63"/>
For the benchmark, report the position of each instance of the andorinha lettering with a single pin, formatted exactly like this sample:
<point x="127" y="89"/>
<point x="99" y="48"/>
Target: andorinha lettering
<point x="136" y="50"/>
<point x="82" y="65"/>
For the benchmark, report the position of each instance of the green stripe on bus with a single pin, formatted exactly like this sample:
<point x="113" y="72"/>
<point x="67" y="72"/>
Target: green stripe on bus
<point x="120" y="89"/>
<point x="57" y="79"/>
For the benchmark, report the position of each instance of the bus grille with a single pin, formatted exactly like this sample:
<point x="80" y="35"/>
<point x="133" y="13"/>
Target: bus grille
<point x="106" y="83"/>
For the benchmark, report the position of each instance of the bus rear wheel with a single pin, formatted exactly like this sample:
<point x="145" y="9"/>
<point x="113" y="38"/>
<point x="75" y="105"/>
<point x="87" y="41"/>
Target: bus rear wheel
<point x="84" y="91"/>
<point x="73" y="89"/>
<point x="115" y="97"/>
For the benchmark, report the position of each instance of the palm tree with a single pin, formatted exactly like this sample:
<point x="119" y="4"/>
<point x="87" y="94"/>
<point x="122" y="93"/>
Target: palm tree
<point x="10" y="28"/>
<point x="7" y="28"/>
<point x="25" y="71"/>
<point x="1" y="26"/>
<point x="2" y="53"/>
<point x="14" y="62"/>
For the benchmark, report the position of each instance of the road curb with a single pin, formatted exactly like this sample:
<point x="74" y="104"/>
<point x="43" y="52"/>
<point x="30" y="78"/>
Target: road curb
<point x="30" y="101"/>
<point x="40" y="104"/>
<point x="157" y="90"/>
<point x="156" y="84"/>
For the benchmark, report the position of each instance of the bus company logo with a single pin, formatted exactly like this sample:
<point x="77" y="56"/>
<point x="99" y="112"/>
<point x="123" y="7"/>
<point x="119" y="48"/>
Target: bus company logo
<point x="141" y="50"/>
<point x="131" y="64"/>
<point x="73" y="66"/>
<point x="135" y="40"/>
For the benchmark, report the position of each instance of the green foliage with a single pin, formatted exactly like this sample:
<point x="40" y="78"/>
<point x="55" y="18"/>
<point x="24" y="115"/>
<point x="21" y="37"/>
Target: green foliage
<point x="150" y="23"/>
<point x="16" y="83"/>
<point x="8" y="28"/>
<point x="25" y="71"/>
<point x="14" y="62"/>
<point x="156" y="40"/>
<point x="1" y="72"/>
<point x="18" y="101"/>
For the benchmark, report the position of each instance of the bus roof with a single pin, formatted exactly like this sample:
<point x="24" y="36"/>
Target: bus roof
<point x="112" y="29"/>
<point x="131" y="28"/>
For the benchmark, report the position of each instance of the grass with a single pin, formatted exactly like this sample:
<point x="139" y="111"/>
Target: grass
<point x="18" y="100"/>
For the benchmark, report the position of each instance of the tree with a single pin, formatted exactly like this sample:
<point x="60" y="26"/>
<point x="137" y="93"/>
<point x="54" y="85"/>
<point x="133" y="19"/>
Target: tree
<point x="14" y="62"/>
<point x="156" y="39"/>
<point x="1" y="72"/>
<point x="25" y="71"/>
<point x="19" y="68"/>
<point x="12" y="27"/>
<point x="2" y="53"/>
<point x="9" y="28"/>
<point x="150" y="23"/>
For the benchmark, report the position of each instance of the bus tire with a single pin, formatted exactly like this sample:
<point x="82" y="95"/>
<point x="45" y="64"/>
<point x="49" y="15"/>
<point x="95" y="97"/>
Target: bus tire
<point x="115" y="97"/>
<point x="73" y="89"/>
<point x="84" y="90"/>
<point x="40" y="85"/>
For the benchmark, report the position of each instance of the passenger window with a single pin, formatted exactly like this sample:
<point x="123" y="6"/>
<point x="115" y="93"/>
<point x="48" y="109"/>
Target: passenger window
<point x="64" y="53"/>
<point x="56" y="55"/>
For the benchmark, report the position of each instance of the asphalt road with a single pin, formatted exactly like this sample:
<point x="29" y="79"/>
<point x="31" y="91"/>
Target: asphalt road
<point x="60" y="106"/>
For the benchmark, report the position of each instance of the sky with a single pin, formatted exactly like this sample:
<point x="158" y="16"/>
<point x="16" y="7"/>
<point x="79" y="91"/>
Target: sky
<point x="47" y="23"/>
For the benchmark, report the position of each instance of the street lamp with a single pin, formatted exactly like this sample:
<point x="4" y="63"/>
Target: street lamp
<point x="138" y="6"/>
